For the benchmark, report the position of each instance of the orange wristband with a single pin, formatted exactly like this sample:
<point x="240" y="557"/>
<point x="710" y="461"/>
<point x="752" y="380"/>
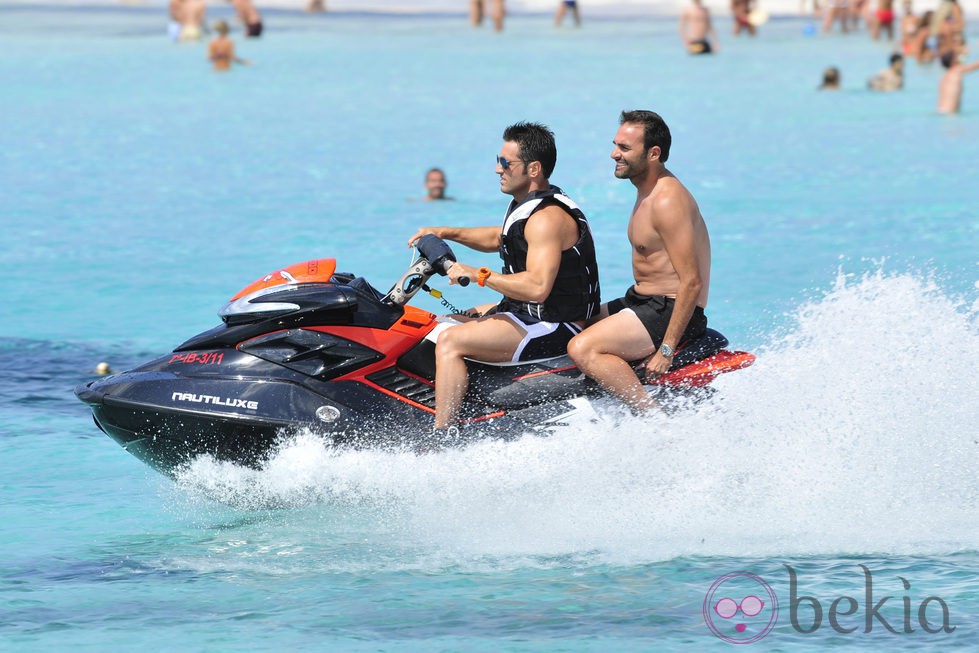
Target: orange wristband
<point x="482" y="276"/>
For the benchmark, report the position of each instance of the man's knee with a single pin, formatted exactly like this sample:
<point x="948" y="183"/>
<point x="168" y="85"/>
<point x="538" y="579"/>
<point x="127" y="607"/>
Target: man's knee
<point x="458" y="341"/>
<point x="579" y="348"/>
<point x="448" y="344"/>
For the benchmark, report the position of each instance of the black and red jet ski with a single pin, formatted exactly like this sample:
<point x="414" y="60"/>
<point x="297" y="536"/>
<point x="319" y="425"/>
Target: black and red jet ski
<point x="309" y="348"/>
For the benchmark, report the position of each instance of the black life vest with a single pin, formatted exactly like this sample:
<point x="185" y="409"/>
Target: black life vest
<point x="575" y="294"/>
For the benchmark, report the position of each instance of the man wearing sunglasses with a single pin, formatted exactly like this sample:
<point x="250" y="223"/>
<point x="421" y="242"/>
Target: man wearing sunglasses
<point x="670" y="264"/>
<point x="549" y="280"/>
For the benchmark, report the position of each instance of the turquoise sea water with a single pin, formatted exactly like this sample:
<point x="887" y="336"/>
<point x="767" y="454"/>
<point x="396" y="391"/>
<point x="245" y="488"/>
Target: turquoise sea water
<point x="139" y="191"/>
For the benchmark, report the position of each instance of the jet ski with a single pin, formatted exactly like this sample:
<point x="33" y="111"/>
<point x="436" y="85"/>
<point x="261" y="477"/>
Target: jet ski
<point x="310" y="349"/>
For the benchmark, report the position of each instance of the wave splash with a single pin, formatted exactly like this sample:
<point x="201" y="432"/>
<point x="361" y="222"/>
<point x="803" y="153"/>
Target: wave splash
<point x="854" y="432"/>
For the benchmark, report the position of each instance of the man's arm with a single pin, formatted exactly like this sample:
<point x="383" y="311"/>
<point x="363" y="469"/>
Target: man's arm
<point x="481" y="239"/>
<point x="671" y="219"/>
<point x="547" y="232"/>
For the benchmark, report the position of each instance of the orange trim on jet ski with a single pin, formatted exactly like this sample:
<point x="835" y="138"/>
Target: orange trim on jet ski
<point x="542" y="373"/>
<point x="318" y="271"/>
<point x="394" y="394"/>
<point x="483" y="418"/>
<point x="703" y="372"/>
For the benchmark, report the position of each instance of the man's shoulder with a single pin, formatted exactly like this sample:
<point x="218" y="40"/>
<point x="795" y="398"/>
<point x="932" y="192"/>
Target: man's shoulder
<point x="669" y="200"/>
<point x="550" y="219"/>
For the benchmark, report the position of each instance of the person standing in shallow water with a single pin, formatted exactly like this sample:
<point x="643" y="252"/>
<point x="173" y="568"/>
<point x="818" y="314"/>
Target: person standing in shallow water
<point x="696" y="29"/>
<point x="221" y="50"/>
<point x="249" y="17"/>
<point x="670" y="264"/>
<point x="950" y="85"/>
<point x="477" y="11"/>
<point x="562" y="8"/>
<point x="741" y="13"/>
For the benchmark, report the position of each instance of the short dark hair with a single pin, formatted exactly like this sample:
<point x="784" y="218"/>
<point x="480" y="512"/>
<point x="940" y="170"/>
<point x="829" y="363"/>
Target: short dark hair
<point x="897" y="56"/>
<point x="655" y="131"/>
<point x="948" y="58"/>
<point x="536" y="143"/>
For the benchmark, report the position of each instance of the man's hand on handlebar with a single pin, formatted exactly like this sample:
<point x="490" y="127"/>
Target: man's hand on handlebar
<point x="460" y="271"/>
<point x="435" y="231"/>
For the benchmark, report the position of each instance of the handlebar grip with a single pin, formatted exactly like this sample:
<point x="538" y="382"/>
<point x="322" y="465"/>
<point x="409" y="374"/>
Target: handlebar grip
<point x="464" y="281"/>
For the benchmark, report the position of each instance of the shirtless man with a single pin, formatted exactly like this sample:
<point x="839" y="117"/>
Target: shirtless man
<point x="670" y="264"/>
<point x="950" y="85"/>
<point x="891" y="78"/>
<point x="249" y="17"/>
<point x="221" y="50"/>
<point x="696" y="29"/>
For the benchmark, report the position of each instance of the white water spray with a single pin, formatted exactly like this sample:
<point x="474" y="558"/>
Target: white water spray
<point x="854" y="432"/>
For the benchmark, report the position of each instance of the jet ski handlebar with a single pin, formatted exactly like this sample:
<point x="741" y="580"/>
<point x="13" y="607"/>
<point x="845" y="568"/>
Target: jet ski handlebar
<point x="439" y="254"/>
<point x="434" y="256"/>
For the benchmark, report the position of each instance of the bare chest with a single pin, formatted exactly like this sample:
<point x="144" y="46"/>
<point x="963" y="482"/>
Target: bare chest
<point x="645" y="240"/>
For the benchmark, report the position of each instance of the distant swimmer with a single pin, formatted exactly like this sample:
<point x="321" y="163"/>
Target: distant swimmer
<point x="697" y="30"/>
<point x="950" y="85"/>
<point x="831" y="79"/>
<point x="316" y="6"/>
<point x="891" y="78"/>
<point x="103" y="369"/>
<point x="435" y="185"/>
<point x="221" y="51"/>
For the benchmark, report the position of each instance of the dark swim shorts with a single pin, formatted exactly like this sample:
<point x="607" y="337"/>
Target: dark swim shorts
<point x="699" y="47"/>
<point x="654" y="311"/>
<point x="253" y="29"/>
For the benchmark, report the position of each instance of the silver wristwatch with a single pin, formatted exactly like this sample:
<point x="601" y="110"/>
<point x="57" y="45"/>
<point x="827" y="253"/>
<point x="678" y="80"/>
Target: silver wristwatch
<point x="666" y="350"/>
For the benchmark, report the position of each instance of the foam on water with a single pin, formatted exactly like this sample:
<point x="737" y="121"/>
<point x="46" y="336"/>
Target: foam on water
<point x="853" y="433"/>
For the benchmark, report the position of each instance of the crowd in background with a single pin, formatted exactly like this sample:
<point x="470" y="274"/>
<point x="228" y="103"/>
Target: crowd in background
<point x="937" y="33"/>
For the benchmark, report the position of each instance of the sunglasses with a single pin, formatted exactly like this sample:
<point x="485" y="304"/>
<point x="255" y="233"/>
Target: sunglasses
<point x="750" y="606"/>
<point x="505" y="164"/>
